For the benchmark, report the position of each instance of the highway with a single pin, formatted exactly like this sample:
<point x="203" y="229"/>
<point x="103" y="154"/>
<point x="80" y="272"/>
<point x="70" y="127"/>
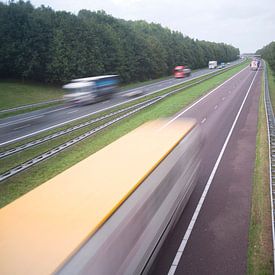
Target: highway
<point x="211" y="236"/>
<point x="18" y="127"/>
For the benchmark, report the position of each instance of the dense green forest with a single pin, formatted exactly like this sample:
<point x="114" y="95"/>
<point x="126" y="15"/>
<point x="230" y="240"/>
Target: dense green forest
<point x="55" y="46"/>
<point x="268" y="53"/>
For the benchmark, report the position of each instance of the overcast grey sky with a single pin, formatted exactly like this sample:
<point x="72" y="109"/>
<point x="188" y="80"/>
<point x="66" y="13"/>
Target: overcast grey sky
<point x="245" y="24"/>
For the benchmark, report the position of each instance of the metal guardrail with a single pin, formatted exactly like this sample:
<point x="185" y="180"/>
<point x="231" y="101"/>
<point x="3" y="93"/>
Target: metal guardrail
<point x="271" y="141"/>
<point x="29" y="106"/>
<point x="56" y="150"/>
<point x="71" y="142"/>
<point x="60" y="100"/>
<point x="66" y="131"/>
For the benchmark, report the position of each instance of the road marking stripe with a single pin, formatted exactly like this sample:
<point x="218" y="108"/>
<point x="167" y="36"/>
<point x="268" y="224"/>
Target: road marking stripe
<point x="20" y="120"/>
<point x="71" y="112"/>
<point x="216" y="107"/>
<point x="21" y="127"/>
<point x="203" y="120"/>
<point x="205" y="191"/>
<point x="31" y="117"/>
<point x="202" y="98"/>
<point x="56" y="110"/>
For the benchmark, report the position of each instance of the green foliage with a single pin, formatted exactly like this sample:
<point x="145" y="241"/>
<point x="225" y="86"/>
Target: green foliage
<point x="44" y="45"/>
<point x="268" y="53"/>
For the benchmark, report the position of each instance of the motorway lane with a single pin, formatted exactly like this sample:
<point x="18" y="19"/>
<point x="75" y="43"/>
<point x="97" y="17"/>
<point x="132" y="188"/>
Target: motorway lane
<point x="15" y="128"/>
<point x="205" y="253"/>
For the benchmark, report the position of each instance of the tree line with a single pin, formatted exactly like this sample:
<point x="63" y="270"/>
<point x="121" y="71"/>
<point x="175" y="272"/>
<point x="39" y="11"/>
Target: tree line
<point x="268" y="53"/>
<point x="55" y="46"/>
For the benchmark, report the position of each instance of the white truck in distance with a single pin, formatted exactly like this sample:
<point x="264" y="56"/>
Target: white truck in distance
<point x="212" y="64"/>
<point x="254" y="65"/>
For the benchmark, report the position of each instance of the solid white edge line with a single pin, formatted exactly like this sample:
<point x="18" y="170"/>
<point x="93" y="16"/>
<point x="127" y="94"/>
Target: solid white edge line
<point x="270" y="175"/>
<point x="205" y="191"/>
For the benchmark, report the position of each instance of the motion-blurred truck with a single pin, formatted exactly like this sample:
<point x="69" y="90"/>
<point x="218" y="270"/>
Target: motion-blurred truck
<point x="181" y="71"/>
<point x="212" y="64"/>
<point x="88" y="90"/>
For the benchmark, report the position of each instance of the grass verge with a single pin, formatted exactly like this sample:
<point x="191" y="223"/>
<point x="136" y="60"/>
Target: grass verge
<point x="27" y="180"/>
<point x="15" y="93"/>
<point x="27" y="110"/>
<point x="260" y="234"/>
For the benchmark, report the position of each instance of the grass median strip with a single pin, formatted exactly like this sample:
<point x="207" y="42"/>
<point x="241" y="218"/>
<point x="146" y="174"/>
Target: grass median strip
<point x="27" y="180"/>
<point x="260" y="235"/>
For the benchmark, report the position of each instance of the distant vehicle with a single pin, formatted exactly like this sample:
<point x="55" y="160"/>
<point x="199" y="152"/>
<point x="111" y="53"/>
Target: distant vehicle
<point x="228" y="63"/>
<point x="212" y="64"/>
<point x="181" y="71"/>
<point x="254" y="65"/>
<point x="223" y="64"/>
<point x="91" y="89"/>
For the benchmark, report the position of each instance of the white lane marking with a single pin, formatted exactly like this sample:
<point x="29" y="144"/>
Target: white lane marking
<point x="229" y="92"/>
<point x="56" y="110"/>
<point x="21" y="127"/>
<point x="216" y="107"/>
<point x="147" y="86"/>
<point x="71" y="112"/>
<point x="110" y="107"/>
<point x="203" y="120"/>
<point x="20" y="120"/>
<point x="30" y="117"/>
<point x="223" y="98"/>
<point x="207" y="186"/>
<point x="202" y="98"/>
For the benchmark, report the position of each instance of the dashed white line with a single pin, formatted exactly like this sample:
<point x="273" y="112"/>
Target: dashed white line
<point x="30" y="117"/>
<point x="202" y="98"/>
<point x="216" y="107"/>
<point x="56" y="110"/>
<point x="71" y="112"/>
<point x="229" y="92"/>
<point x="223" y="98"/>
<point x="205" y="191"/>
<point x="20" y="120"/>
<point x="203" y="120"/>
<point x="21" y="127"/>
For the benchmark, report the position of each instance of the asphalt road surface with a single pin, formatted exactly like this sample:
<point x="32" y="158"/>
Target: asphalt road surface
<point x="211" y="236"/>
<point x="18" y="127"/>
